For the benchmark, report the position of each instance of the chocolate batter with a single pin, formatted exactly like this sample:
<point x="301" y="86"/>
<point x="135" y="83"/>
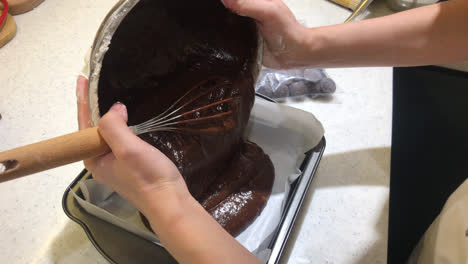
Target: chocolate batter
<point x="161" y="50"/>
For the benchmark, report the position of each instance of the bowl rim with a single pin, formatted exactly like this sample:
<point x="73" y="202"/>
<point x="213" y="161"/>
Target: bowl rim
<point x="101" y="44"/>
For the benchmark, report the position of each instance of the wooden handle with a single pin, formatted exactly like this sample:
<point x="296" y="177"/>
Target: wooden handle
<point x="51" y="153"/>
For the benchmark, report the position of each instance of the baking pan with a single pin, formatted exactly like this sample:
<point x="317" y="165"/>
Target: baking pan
<point x="120" y="247"/>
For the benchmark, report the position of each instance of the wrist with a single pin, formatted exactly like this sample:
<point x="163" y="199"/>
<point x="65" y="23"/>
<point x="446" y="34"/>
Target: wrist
<point x="164" y="205"/>
<point x="312" y="46"/>
<point x="305" y="44"/>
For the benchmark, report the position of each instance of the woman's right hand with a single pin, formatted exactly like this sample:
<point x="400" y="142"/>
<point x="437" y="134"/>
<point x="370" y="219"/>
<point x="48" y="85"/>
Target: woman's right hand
<point x="134" y="169"/>
<point x="284" y="37"/>
<point x="149" y="180"/>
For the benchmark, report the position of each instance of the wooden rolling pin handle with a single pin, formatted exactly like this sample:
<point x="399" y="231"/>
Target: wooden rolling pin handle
<point x="51" y="153"/>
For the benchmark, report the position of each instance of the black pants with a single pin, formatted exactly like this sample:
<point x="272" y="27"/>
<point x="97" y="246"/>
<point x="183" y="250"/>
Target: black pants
<point x="429" y="151"/>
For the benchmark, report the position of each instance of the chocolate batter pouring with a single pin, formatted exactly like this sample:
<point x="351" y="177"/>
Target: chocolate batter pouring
<point x="159" y="52"/>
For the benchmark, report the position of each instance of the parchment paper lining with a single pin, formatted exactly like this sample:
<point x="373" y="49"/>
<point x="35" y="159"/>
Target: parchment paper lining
<point x="284" y="133"/>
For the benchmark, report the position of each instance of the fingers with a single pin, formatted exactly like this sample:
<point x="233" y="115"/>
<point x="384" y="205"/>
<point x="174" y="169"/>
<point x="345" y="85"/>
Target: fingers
<point x="113" y="128"/>
<point x="82" y="102"/>
<point x="256" y="9"/>
<point x="101" y="167"/>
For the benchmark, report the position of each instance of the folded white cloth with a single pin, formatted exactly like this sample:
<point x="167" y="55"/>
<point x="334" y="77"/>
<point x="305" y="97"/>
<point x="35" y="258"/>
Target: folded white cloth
<point x="461" y="66"/>
<point x="446" y="240"/>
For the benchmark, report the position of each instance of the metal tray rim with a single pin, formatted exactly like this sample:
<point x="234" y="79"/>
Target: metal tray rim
<point x="286" y="223"/>
<point x="284" y="229"/>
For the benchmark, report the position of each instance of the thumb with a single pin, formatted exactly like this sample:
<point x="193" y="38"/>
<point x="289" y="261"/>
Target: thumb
<point x="251" y="8"/>
<point x="113" y="128"/>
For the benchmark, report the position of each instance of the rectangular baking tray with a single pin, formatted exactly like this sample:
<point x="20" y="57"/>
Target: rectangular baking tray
<point x="121" y="247"/>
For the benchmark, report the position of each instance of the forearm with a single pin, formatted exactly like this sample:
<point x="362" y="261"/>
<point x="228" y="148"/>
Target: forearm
<point x="190" y="234"/>
<point x="433" y="34"/>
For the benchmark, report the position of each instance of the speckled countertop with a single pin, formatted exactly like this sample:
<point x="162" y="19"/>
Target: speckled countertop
<point x="344" y="219"/>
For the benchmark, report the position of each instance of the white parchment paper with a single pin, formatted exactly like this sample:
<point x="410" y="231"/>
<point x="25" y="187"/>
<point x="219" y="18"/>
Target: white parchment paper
<point x="284" y="133"/>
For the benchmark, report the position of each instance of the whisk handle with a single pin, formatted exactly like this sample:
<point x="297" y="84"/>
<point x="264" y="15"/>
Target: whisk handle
<point x="51" y="153"/>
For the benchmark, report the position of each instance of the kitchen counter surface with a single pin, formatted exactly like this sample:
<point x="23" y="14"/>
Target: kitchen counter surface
<point x="344" y="218"/>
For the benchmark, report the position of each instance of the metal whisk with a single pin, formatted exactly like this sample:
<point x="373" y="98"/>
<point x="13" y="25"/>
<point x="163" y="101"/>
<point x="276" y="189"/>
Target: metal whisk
<point x="183" y="116"/>
<point x="172" y="117"/>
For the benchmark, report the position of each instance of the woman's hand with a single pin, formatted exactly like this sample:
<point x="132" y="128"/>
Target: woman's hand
<point x="150" y="181"/>
<point x="284" y="36"/>
<point x="134" y="169"/>
<point x="422" y="36"/>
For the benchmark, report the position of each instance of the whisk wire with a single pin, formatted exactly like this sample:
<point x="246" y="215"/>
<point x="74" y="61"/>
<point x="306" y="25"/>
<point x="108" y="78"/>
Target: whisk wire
<point x="158" y="118"/>
<point x="157" y="123"/>
<point x="188" y="92"/>
<point x="169" y="118"/>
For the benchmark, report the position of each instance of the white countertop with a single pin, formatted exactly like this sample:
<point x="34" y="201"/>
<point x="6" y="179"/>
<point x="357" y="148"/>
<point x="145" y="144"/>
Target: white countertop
<point x="344" y="219"/>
